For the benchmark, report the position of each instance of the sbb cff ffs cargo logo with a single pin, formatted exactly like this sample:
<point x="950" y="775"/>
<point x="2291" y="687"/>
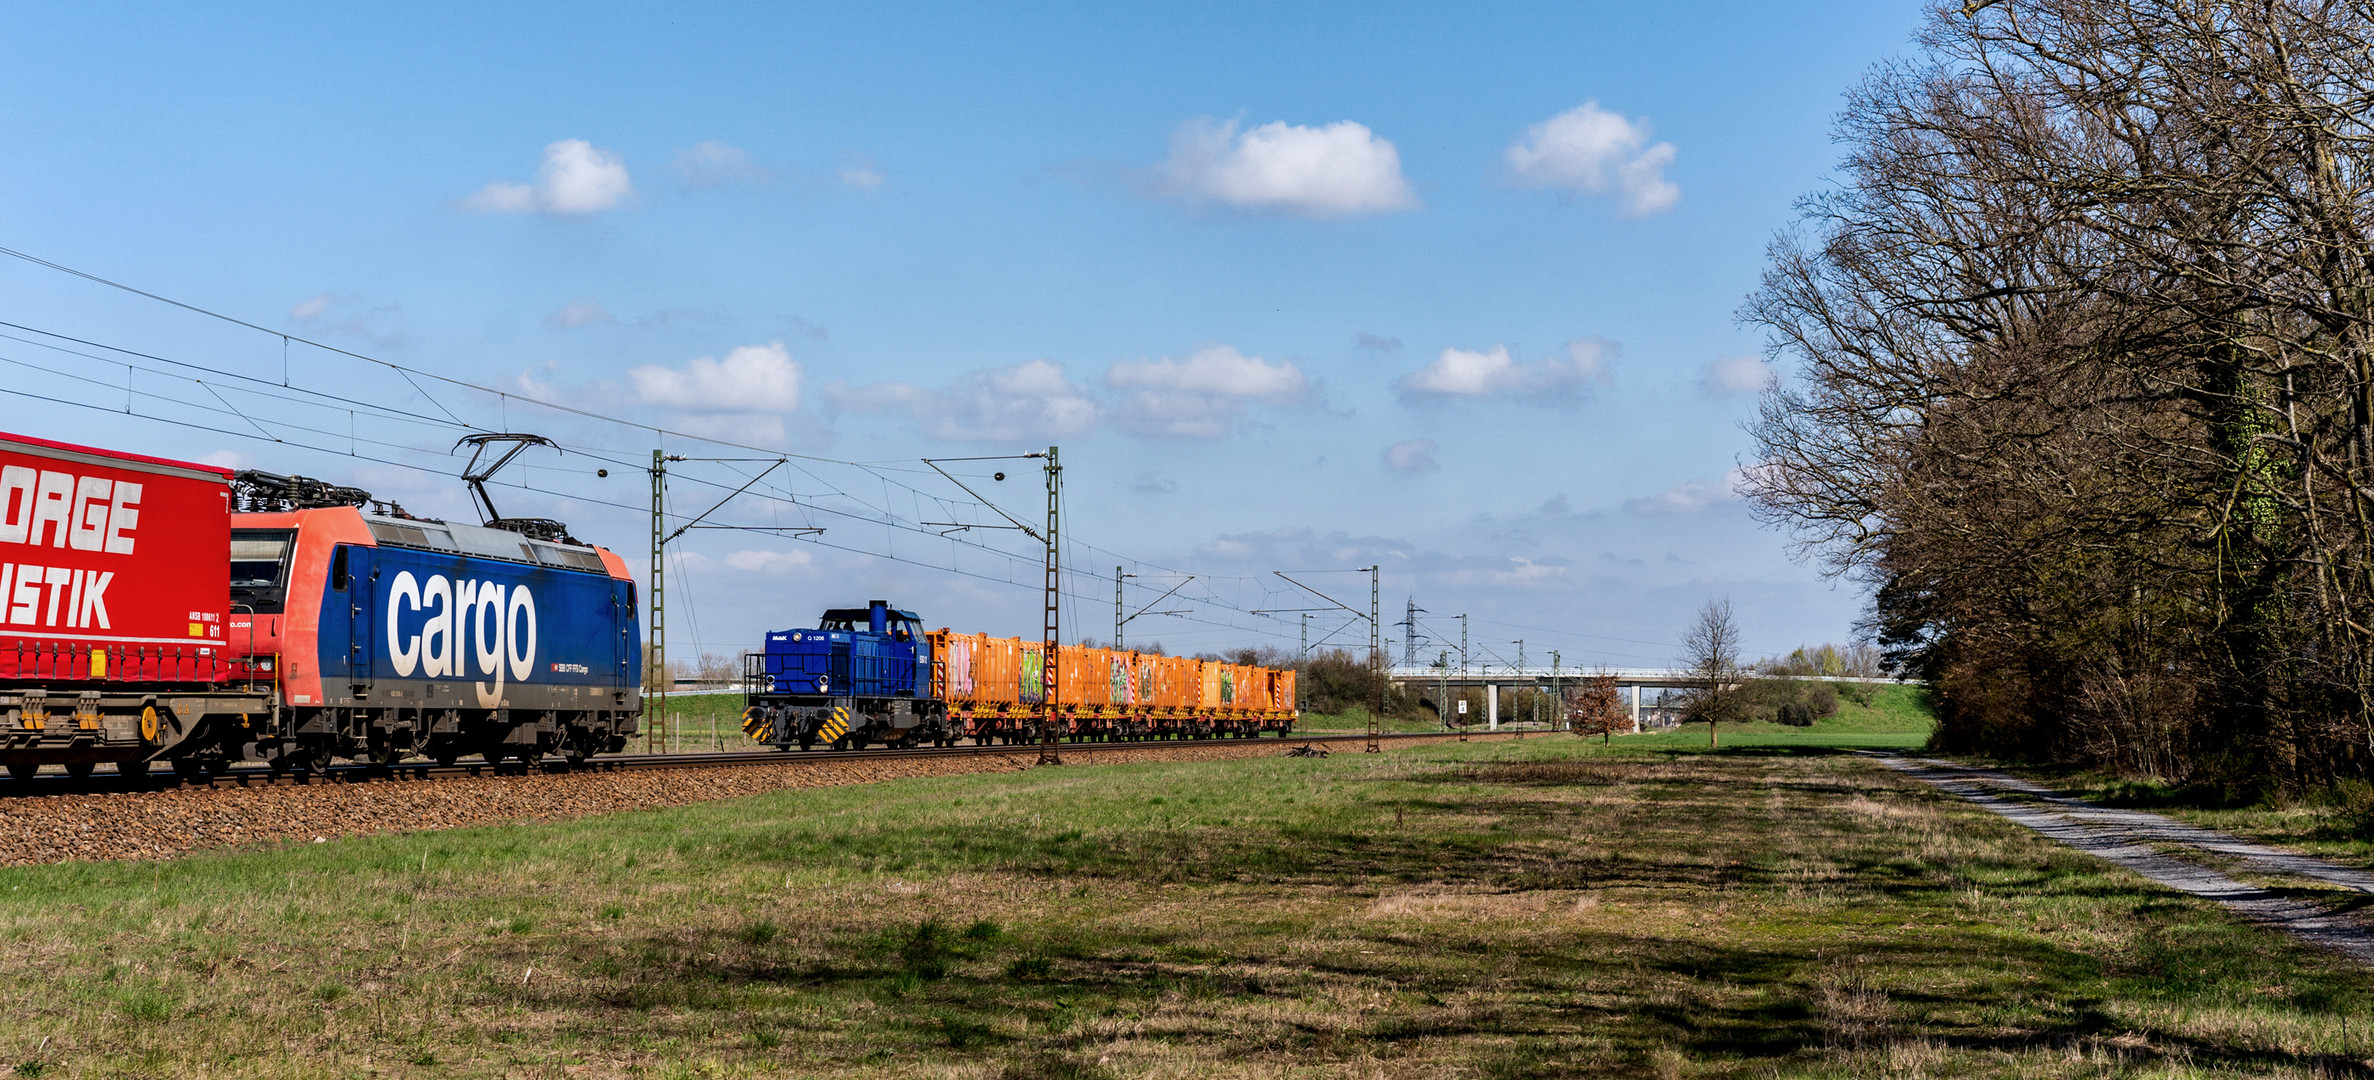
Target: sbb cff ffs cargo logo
<point x="466" y="627"/>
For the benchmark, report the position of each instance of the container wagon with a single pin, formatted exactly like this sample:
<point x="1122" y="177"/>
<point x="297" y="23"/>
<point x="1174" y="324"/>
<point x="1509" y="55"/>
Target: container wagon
<point x="117" y="623"/>
<point x="873" y="675"/>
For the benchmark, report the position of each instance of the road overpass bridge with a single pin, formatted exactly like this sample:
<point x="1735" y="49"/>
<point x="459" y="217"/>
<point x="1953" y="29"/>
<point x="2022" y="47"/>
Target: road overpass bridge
<point x="1630" y="682"/>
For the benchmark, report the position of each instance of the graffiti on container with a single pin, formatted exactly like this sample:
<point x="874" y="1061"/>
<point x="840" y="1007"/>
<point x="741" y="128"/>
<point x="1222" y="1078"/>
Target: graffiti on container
<point x="960" y="667"/>
<point x="1034" y="673"/>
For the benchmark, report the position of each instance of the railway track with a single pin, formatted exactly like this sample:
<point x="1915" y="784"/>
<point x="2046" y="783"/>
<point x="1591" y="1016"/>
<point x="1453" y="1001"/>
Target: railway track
<point x="58" y="783"/>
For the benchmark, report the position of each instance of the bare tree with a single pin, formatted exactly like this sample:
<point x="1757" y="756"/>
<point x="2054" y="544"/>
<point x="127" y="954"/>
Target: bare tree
<point x="1596" y="707"/>
<point x="1710" y="653"/>
<point x="2085" y="354"/>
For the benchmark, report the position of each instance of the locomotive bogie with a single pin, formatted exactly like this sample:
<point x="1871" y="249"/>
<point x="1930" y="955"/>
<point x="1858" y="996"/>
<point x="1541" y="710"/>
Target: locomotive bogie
<point x="807" y="721"/>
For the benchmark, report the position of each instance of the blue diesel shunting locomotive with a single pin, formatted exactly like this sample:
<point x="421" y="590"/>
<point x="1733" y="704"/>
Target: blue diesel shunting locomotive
<point x="862" y="675"/>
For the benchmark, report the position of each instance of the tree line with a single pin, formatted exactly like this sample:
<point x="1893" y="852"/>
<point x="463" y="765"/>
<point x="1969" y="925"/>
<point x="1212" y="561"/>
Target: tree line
<point x="2082" y="385"/>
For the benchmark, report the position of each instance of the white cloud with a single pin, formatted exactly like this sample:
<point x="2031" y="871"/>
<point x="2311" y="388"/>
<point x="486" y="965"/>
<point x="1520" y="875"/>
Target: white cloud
<point x="1336" y="170"/>
<point x="1461" y="374"/>
<point x="577" y="178"/>
<point x="713" y="164"/>
<point x="1588" y="150"/>
<point x="1414" y="456"/>
<point x="1732" y="376"/>
<point x="859" y="174"/>
<point x="751" y="379"/>
<point x="769" y="562"/>
<point x="1200" y="396"/>
<point x="583" y="311"/>
<point x="1690" y="496"/>
<point x="349" y="313"/>
<point x="1029" y="400"/>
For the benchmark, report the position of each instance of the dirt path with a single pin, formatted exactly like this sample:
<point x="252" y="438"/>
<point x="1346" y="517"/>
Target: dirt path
<point x="2125" y="837"/>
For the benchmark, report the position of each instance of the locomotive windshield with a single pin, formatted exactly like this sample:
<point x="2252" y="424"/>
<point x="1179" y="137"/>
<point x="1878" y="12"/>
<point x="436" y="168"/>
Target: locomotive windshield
<point x="259" y="567"/>
<point x="900" y="625"/>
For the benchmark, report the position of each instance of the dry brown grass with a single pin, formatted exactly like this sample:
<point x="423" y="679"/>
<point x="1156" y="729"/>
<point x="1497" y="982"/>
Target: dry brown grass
<point x="1542" y="908"/>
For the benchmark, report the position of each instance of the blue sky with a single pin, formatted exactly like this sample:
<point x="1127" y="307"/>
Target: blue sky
<point x="1448" y="289"/>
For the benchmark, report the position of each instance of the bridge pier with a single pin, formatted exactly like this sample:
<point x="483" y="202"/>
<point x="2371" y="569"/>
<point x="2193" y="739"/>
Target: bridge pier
<point x="1491" y="706"/>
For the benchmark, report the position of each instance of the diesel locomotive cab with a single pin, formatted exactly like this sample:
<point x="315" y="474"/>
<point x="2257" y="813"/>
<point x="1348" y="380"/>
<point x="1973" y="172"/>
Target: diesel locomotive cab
<point x="860" y="676"/>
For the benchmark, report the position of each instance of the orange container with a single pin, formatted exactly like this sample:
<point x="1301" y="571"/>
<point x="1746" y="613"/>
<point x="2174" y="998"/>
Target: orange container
<point x="1145" y="679"/>
<point x="976" y="669"/>
<point x="1253" y="693"/>
<point x="1120" y="683"/>
<point x="971" y="670"/>
<point x="1086" y="675"/>
<point x="1176" y="682"/>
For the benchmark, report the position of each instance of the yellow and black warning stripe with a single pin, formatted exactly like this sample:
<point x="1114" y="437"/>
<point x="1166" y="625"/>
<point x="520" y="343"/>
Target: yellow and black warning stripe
<point x="756" y="725"/>
<point x="836" y="727"/>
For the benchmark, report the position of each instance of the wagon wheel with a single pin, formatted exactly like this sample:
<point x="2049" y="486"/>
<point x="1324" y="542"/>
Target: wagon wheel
<point x="132" y="770"/>
<point x="23" y="770"/>
<point x="80" y="770"/>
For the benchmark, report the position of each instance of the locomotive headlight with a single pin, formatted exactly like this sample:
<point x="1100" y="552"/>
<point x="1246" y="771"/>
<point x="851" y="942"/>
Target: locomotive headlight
<point x="822" y="683"/>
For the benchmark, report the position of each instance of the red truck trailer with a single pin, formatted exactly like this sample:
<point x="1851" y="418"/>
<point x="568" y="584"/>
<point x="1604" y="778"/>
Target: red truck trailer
<point x="114" y="602"/>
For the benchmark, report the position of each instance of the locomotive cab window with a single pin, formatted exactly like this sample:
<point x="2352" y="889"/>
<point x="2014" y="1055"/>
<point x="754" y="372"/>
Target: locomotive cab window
<point x="259" y="567"/>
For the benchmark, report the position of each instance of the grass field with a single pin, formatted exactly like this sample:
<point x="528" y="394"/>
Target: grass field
<point x="1549" y="907"/>
<point x="1356" y="720"/>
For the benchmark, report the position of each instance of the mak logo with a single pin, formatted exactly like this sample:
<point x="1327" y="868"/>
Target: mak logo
<point x="473" y="628"/>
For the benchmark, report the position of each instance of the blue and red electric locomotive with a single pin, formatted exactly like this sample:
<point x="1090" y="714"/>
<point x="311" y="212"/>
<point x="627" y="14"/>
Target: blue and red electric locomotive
<point x="343" y="627"/>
